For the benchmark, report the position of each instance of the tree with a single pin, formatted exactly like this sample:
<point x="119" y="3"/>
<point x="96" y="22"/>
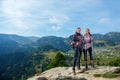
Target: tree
<point x="59" y="60"/>
<point x="115" y="62"/>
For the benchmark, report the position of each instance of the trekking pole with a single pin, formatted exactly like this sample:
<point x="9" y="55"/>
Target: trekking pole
<point x="85" y="58"/>
<point x="92" y="52"/>
<point x="92" y="63"/>
<point x="86" y="64"/>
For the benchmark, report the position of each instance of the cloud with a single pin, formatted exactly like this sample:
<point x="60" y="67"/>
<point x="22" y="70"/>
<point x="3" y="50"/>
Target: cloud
<point x="26" y="14"/>
<point x="54" y="20"/>
<point x="104" y="20"/>
<point x="59" y="19"/>
<point x="56" y="28"/>
<point x="16" y="12"/>
<point x="36" y="16"/>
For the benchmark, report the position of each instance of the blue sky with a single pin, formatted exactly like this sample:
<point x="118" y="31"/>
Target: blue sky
<point x="58" y="17"/>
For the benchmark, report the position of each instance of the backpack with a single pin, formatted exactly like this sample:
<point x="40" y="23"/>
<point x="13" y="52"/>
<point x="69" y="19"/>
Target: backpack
<point x="73" y="39"/>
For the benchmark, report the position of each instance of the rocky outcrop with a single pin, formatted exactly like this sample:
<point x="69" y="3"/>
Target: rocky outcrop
<point x="65" y="73"/>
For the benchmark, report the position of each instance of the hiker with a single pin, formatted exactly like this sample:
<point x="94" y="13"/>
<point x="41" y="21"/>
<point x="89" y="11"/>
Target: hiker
<point x="77" y="45"/>
<point x="88" y="39"/>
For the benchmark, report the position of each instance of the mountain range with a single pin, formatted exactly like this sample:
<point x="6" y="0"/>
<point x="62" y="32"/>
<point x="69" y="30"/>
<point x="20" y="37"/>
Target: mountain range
<point x="15" y="43"/>
<point x="21" y="57"/>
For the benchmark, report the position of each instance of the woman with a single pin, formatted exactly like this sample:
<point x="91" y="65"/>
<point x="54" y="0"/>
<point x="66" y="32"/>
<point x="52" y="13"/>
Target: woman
<point x="88" y="39"/>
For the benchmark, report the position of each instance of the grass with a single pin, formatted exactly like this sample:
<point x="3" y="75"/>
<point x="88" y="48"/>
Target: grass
<point x="110" y="75"/>
<point x="97" y="75"/>
<point x="107" y="75"/>
<point x="50" y="54"/>
<point x="37" y="74"/>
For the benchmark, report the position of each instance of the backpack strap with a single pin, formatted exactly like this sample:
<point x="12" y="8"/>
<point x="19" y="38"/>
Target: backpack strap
<point x="75" y="36"/>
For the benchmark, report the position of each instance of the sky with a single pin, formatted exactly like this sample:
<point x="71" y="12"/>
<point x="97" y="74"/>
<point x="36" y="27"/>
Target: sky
<point x="58" y="17"/>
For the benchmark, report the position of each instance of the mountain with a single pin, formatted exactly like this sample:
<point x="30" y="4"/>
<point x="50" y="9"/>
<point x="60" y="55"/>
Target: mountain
<point x="15" y="43"/>
<point x="57" y="42"/>
<point x="22" y="57"/>
<point x="100" y="40"/>
<point x="19" y="65"/>
<point x="112" y="38"/>
<point x="109" y="39"/>
<point x="45" y="48"/>
<point x="65" y="73"/>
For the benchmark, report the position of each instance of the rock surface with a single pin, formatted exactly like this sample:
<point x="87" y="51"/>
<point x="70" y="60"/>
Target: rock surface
<point x="65" y="73"/>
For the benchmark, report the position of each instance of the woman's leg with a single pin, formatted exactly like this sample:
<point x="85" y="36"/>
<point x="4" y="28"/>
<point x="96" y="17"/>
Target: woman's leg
<point x="85" y="58"/>
<point x="91" y="57"/>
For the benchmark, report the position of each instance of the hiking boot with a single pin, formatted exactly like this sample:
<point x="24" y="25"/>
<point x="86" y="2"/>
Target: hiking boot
<point x="92" y="66"/>
<point x="86" y="68"/>
<point x="86" y="65"/>
<point x="79" y="68"/>
<point x="74" y="72"/>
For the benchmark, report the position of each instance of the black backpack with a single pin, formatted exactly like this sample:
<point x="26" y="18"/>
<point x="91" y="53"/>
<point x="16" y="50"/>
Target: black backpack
<point x="72" y="37"/>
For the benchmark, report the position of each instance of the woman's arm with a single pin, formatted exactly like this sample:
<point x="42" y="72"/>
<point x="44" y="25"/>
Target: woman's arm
<point x="91" y="38"/>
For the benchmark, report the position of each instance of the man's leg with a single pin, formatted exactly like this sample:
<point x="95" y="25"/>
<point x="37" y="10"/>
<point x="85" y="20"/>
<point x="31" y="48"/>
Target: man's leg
<point x="78" y="59"/>
<point x="75" y="59"/>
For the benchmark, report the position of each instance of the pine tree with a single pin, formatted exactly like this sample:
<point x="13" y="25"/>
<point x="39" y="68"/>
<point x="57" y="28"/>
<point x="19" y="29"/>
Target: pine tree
<point x="59" y="60"/>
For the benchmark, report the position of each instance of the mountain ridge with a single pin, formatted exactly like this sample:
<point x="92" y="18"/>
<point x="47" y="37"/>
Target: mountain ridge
<point x="11" y="43"/>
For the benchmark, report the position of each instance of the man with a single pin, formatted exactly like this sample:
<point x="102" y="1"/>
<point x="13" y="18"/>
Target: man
<point x="77" y="45"/>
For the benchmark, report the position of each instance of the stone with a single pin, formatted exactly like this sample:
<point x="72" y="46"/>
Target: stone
<point x="65" y="73"/>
